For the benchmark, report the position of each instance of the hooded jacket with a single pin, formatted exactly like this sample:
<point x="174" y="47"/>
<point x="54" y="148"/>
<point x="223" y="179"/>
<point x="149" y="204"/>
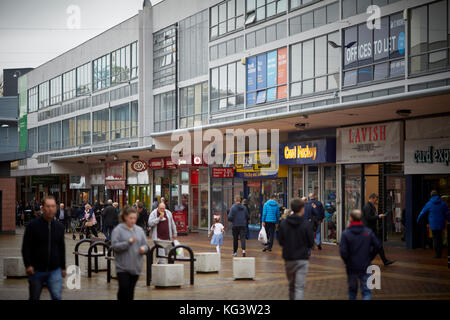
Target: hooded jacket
<point x="271" y="212"/>
<point x="296" y="237"/>
<point x="437" y="212"/>
<point x="358" y="247"/>
<point x="238" y="215"/>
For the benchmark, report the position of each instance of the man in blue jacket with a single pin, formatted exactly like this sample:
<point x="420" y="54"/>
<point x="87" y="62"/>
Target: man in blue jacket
<point x="358" y="246"/>
<point x="437" y="212"/>
<point x="270" y="219"/>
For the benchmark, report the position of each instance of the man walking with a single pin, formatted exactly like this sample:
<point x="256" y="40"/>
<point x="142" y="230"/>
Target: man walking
<point x="358" y="247"/>
<point x="43" y="252"/>
<point x="110" y="219"/>
<point x="316" y="213"/>
<point x="142" y="217"/>
<point x="370" y="219"/>
<point x="61" y="214"/>
<point x="437" y="212"/>
<point x="239" y="217"/>
<point x="270" y="219"/>
<point x="296" y="237"/>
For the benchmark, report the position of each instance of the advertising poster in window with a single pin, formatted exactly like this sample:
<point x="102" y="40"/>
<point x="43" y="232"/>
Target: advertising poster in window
<point x="261" y="80"/>
<point x="282" y="73"/>
<point x="272" y="76"/>
<point x="251" y="80"/>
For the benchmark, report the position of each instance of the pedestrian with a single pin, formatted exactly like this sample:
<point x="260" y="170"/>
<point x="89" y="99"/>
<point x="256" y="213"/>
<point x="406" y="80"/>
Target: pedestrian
<point x="110" y="219"/>
<point x="239" y="217"/>
<point x="142" y="216"/>
<point x="43" y="252"/>
<point x="437" y="212"/>
<point x="270" y="219"/>
<point x="297" y="238"/>
<point x="129" y="245"/>
<point x="370" y="220"/>
<point x="286" y="213"/>
<point x="358" y="247"/>
<point x="316" y="213"/>
<point x="91" y="221"/>
<point x="61" y="214"/>
<point x="154" y="204"/>
<point x="163" y="227"/>
<point x="116" y="207"/>
<point x="217" y="230"/>
<point x="245" y="204"/>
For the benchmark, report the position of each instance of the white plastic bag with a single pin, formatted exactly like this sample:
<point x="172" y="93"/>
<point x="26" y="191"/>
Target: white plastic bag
<point x="180" y="251"/>
<point x="262" y="237"/>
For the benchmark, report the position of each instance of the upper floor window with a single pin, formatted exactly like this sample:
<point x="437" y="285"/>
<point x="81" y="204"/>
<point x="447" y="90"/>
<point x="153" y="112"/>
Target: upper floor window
<point x="120" y="65"/>
<point x="69" y="133"/>
<point x="84" y="76"/>
<point x="164" y="112"/>
<point x="33" y="98"/>
<point x="354" y="7"/>
<point x="134" y="60"/>
<point x="69" y="85"/>
<point x="55" y="90"/>
<point x="44" y="95"/>
<point x="43" y="138"/>
<point x="226" y="17"/>
<point x="100" y="126"/>
<point x="120" y="122"/>
<point x="102" y="72"/>
<point x="260" y="10"/>
<point x="227" y="87"/>
<point x="84" y="129"/>
<point x="314" y="19"/>
<point x="294" y="4"/>
<point x="194" y="105"/>
<point x="164" y="57"/>
<point x="55" y="135"/>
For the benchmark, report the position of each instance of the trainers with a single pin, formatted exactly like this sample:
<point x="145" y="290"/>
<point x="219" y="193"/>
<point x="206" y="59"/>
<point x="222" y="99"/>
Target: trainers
<point x="243" y="253"/>
<point x="319" y="246"/>
<point x="264" y="250"/>
<point x="234" y="254"/>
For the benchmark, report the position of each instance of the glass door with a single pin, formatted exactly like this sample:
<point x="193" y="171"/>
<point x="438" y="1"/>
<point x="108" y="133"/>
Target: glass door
<point x="352" y="191"/>
<point x="254" y="201"/>
<point x="313" y="180"/>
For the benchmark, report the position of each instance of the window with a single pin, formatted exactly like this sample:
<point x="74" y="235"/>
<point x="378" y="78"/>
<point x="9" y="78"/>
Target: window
<point x="295" y="4"/>
<point x="32" y="139"/>
<point x="120" y="122"/>
<point x="33" y="99"/>
<point x="134" y="60"/>
<point x="429" y="43"/>
<point x="101" y="72"/>
<point x="266" y="77"/>
<point x="44" y="94"/>
<point x="194" y="105"/>
<point x="353" y="7"/>
<point x="69" y="85"/>
<point x="84" y="129"/>
<point x="84" y="79"/>
<point x="193" y="41"/>
<point x="55" y="90"/>
<point x="100" y="126"/>
<point x="314" y="19"/>
<point x="226" y="17"/>
<point x="120" y="65"/>
<point x="376" y="54"/>
<point x="265" y="35"/>
<point x="164" y="112"/>
<point x="227" y="87"/>
<point x="314" y="66"/>
<point x="134" y="118"/>
<point x="260" y="10"/>
<point x="164" y="57"/>
<point x="43" y="138"/>
<point x="69" y="133"/>
<point x="55" y="135"/>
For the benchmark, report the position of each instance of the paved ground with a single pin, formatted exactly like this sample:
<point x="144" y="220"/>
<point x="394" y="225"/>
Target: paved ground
<point x="415" y="275"/>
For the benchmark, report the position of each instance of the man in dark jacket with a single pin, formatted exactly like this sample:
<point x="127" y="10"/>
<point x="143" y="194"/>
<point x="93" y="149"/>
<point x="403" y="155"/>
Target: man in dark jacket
<point x="358" y="247"/>
<point x="43" y="252"/>
<point x="110" y="217"/>
<point x="370" y="220"/>
<point x="239" y="217"/>
<point x="315" y="212"/>
<point x="142" y="217"/>
<point x="437" y="212"/>
<point x="297" y="238"/>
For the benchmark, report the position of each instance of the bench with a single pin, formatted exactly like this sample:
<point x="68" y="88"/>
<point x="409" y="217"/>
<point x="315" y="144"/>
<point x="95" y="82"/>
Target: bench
<point x="92" y="252"/>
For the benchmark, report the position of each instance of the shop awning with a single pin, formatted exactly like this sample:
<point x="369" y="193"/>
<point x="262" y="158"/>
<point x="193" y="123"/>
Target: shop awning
<point x="115" y="185"/>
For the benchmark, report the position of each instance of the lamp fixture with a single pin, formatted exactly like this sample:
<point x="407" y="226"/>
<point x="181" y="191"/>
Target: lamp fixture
<point x="301" y="126"/>
<point x="403" y="112"/>
<point x="115" y="158"/>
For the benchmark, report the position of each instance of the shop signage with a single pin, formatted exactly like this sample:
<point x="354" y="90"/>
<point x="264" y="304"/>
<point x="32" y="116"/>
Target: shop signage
<point x="77" y="182"/>
<point x="115" y="171"/>
<point x="169" y="164"/>
<point x="137" y="177"/>
<point x="248" y="165"/>
<point x="157" y="163"/>
<point x="139" y="166"/>
<point x="308" y="152"/>
<point x="46" y="180"/>
<point x="430" y="156"/>
<point x="370" y="143"/>
<point x="196" y="161"/>
<point x="180" y="219"/>
<point x="222" y="172"/>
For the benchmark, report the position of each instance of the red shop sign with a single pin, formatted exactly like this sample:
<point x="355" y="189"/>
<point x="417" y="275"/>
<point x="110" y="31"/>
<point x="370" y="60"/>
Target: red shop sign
<point x="139" y="165"/>
<point x="180" y="219"/>
<point x="157" y="163"/>
<point x="169" y="164"/>
<point x="223" y="172"/>
<point x="196" y="161"/>
<point x="115" y="171"/>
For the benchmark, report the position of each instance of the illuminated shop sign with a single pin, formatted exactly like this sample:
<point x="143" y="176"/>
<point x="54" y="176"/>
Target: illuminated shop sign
<point x="430" y="156"/>
<point x="308" y="152"/>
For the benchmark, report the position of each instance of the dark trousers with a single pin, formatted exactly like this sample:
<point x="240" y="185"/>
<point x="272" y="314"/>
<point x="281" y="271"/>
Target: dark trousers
<point x="92" y="229"/>
<point x="108" y="231"/>
<point x="239" y="233"/>
<point x="381" y="251"/>
<point x="270" y="230"/>
<point x="353" y="279"/>
<point x="127" y="283"/>
<point x="437" y="242"/>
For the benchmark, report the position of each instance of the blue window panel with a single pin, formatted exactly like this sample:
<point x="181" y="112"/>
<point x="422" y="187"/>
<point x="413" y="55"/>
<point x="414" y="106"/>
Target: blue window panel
<point x="271" y="94"/>
<point x="261" y="98"/>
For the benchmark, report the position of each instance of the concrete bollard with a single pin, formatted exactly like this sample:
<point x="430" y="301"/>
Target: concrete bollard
<point x="207" y="262"/>
<point x="13" y="267"/>
<point x="244" y="268"/>
<point x="167" y="275"/>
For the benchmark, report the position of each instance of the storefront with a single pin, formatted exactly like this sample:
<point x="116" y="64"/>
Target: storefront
<point x="371" y="159"/>
<point x="312" y="169"/>
<point x="427" y="168"/>
<point x="138" y="183"/>
<point x="97" y="182"/>
<point x="115" y="180"/>
<point x="80" y="190"/>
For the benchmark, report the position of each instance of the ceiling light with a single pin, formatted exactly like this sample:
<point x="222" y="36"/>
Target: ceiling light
<point x="403" y="112"/>
<point x="135" y="157"/>
<point x="301" y="126"/>
<point x="115" y="158"/>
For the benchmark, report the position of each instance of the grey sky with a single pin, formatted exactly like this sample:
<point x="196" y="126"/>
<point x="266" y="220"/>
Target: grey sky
<point x="35" y="31"/>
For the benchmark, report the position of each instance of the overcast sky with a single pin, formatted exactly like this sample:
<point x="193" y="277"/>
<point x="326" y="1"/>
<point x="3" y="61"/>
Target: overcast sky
<point x="35" y="31"/>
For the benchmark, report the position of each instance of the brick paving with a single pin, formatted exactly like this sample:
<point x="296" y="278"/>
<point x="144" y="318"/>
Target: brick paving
<point x="415" y="275"/>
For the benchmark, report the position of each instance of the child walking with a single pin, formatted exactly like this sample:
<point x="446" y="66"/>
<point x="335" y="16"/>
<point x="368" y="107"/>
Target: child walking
<point x="217" y="230"/>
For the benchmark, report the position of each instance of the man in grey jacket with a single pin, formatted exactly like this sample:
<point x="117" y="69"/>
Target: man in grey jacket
<point x="163" y="226"/>
<point x="239" y="216"/>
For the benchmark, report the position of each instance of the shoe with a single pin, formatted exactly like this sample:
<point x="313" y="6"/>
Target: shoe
<point x="389" y="262"/>
<point x="264" y="250"/>
<point x="319" y="246"/>
<point x="270" y="250"/>
<point x="234" y="254"/>
<point x="244" y="254"/>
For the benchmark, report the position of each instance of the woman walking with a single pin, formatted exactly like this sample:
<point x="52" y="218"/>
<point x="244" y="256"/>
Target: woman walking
<point x="91" y="221"/>
<point x="129" y="244"/>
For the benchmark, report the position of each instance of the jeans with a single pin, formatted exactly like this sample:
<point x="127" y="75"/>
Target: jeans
<point x="296" y="271"/>
<point x="318" y="235"/>
<point x="270" y="229"/>
<point x="107" y="231"/>
<point x="53" y="279"/>
<point x="437" y="242"/>
<point x="352" y="279"/>
<point x="239" y="232"/>
<point x="127" y="283"/>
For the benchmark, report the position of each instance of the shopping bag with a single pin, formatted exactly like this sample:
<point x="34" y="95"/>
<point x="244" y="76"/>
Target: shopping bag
<point x="262" y="237"/>
<point x="179" y="251"/>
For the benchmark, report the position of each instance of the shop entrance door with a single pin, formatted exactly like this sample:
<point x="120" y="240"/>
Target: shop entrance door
<point x="254" y="201"/>
<point x="198" y="206"/>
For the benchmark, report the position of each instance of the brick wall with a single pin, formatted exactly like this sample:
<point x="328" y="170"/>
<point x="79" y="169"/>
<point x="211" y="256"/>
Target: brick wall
<point x="8" y="188"/>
